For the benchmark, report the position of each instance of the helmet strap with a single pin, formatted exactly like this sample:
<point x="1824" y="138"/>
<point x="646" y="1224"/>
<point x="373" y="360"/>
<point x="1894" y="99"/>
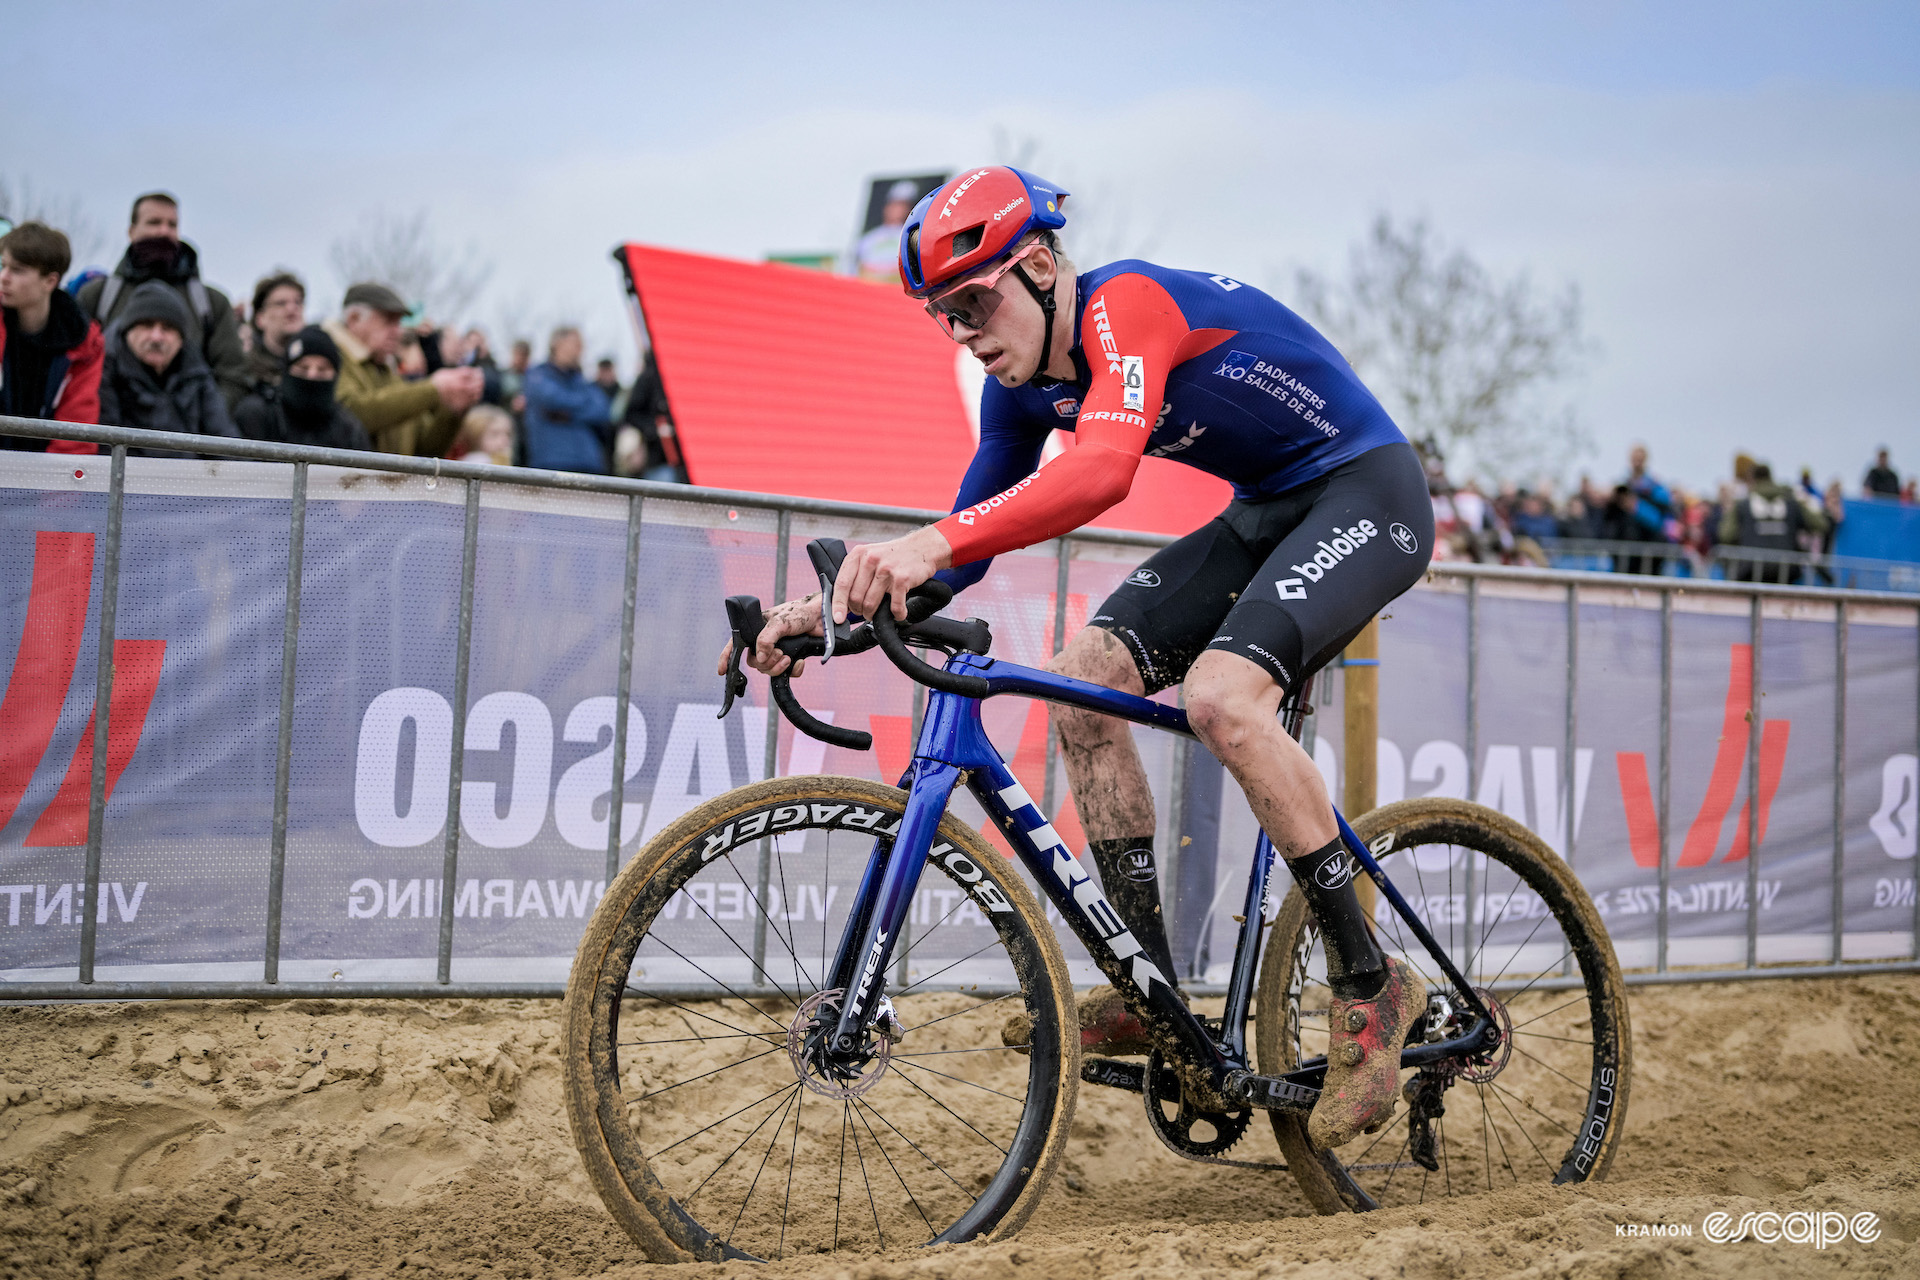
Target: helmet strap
<point x="1047" y="307"/>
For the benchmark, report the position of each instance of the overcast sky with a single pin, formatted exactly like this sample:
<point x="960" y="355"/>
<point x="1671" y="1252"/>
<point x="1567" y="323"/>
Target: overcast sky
<point x="1734" y="187"/>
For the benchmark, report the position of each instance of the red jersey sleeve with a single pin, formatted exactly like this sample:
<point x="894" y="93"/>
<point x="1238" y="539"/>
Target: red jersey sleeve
<point x="1130" y="331"/>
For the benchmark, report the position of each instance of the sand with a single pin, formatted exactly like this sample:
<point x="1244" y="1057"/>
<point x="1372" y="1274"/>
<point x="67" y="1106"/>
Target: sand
<point x="323" y="1139"/>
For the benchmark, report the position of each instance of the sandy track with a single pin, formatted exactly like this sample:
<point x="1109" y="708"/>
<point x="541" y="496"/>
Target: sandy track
<point x="321" y="1139"/>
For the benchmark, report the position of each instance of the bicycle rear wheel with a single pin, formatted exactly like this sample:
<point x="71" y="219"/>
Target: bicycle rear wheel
<point x="1549" y="1105"/>
<point x="703" y="1123"/>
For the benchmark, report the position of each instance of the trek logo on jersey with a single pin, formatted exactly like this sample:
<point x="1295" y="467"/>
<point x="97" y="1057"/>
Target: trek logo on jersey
<point x="946" y="210"/>
<point x="1345" y="543"/>
<point x="1103" y="329"/>
<point x="1194" y="432"/>
<point x="1067" y="407"/>
<point x="1133" y="380"/>
<point x="978" y="509"/>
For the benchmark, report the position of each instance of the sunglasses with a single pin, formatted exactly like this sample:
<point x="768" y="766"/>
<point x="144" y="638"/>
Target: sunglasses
<point x="973" y="301"/>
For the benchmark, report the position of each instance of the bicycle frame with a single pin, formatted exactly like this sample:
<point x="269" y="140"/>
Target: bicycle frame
<point x="953" y="748"/>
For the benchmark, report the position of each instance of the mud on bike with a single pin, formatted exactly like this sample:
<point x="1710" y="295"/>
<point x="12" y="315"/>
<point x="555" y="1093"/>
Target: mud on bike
<point x="787" y="1021"/>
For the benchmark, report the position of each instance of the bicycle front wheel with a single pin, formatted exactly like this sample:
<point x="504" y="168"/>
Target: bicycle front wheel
<point x="705" y="1124"/>
<point x="1550" y="1104"/>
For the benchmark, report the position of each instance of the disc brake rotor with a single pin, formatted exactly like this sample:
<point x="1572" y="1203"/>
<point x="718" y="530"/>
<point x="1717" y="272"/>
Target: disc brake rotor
<point x="1485" y="1067"/>
<point x="832" y="1084"/>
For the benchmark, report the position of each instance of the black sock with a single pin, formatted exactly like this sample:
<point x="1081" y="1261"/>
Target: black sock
<point x="1355" y="968"/>
<point x="1130" y="877"/>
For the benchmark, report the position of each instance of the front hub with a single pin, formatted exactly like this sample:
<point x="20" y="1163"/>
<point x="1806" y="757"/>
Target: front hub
<point x="822" y="1062"/>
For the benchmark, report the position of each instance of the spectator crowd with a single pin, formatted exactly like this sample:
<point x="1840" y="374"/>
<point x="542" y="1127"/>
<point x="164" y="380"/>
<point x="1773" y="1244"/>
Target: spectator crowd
<point x="152" y="345"/>
<point x="1772" y="530"/>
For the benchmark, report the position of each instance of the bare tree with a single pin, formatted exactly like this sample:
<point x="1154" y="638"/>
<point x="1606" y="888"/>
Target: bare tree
<point x="1101" y="225"/>
<point x="1460" y="358"/>
<point x="400" y="251"/>
<point x="20" y="202"/>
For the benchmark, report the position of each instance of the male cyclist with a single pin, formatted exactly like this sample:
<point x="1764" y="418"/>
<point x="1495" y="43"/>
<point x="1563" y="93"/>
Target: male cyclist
<point x="1330" y="520"/>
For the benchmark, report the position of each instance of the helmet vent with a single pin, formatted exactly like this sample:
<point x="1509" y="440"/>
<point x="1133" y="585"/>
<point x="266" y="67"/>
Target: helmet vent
<point x="967" y="241"/>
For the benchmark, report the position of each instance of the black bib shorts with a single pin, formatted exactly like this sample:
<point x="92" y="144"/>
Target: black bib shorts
<point x="1285" y="581"/>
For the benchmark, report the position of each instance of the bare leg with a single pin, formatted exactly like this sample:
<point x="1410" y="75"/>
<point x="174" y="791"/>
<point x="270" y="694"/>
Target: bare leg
<point x="1234" y="707"/>
<point x="1103" y="765"/>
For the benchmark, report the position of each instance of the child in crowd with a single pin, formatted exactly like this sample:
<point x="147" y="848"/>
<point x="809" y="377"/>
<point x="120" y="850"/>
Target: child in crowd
<point x="486" y="435"/>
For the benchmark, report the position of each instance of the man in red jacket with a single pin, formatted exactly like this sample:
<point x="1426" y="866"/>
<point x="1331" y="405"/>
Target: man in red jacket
<point x="50" y="353"/>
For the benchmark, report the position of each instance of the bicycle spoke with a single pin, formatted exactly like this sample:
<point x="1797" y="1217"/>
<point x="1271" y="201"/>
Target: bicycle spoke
<point x="1508" y="1093"/>
<point x="675" y="1004"/>
<point x="955" y="1114"/>
<point x="1541" y="1035"/>
<point x="936" y="1053"/>
<point x="1579" y="999"/>
<point x="722" y="1120"/>
<point x="744" y="1035"/>
<point x="1547" y="972"/>
<point x="723" y="986"/>
<point x="772" y="1140"/>
<point x="911" y="1198"/>
<point x="1505" y="1157"/>
<point x="1523" y="1130"/>
<point x="969" y="1009"/>
<point x="962" y="1080"/>
<point x="793" y="947"/>
<point x="1550" y="1067"/>
<point x="704" y="1074"/>
<point x="1538" y="925"/>
<point x="793" y="1155"/>
<point x="761" y="907"/>
<point x="923" y="1155"/>
<point x="860" y="1155"/>
<point x="711" y="1173"/>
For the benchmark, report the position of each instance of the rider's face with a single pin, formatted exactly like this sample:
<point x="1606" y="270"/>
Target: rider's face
<point x="1009" y="346"/>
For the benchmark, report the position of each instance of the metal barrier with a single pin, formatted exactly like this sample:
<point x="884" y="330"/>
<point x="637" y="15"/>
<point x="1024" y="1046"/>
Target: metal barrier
<point x="474" y="476"/>
<point x="1731" y="563"/>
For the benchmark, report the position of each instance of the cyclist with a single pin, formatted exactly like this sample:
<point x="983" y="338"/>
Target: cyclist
<point x="1329" y="521"/>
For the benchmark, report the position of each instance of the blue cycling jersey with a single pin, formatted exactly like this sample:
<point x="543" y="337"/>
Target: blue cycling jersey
<point x="1242" y="387"/>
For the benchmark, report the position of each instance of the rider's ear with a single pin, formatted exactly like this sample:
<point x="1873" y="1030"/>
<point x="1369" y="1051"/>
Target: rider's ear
<point x="1043" y="268"/>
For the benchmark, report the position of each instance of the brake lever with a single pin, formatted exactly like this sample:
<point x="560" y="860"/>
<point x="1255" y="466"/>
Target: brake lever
<point x="828" y="554"/>
<point x="745" y="620"/>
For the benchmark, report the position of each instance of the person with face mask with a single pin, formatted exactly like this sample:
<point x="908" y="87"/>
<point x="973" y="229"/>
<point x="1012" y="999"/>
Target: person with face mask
<point x="302" y="408"/>
<point x="156" y="253"/>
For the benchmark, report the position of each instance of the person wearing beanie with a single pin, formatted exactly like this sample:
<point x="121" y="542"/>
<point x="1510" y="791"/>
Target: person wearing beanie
<point x="302" y="408"/>
<point x="155" y="252"/>
<point x="154" y="378"/>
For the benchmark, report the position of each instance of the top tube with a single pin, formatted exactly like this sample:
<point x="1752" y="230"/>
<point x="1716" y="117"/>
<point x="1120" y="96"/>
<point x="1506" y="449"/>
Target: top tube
<point x="1010" y="677"/>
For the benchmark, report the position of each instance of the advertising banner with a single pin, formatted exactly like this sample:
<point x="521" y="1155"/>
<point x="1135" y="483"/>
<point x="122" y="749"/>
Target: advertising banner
<point x="195" y="704"/>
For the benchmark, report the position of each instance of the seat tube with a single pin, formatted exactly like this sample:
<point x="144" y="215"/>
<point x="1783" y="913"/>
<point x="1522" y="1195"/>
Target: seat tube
<point x="885" y="904"/>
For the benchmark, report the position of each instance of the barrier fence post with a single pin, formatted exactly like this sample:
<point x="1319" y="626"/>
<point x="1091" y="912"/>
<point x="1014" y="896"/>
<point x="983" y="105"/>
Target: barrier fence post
<point x="462" y="650"/>
<point x="1473" y="686"/>
<point x="1839" y="776"/>
<point x="102" y="706"/>
<point x="1660" y="920"/>
<point x="782" y="536"/>
<point x="623" y="692"/>
<point x="1573" y="723"/>
<point x="1754" y="716"/>
<point x="1360" y="707"/>
<point x="1916" y="777"/>
<point x="283" y="747"/>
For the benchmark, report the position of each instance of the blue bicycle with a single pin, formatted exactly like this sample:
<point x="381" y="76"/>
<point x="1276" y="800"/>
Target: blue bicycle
<point x="820" y="1014"/>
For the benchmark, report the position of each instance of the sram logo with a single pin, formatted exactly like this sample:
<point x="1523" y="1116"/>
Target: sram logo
<point x="43" y="670"/>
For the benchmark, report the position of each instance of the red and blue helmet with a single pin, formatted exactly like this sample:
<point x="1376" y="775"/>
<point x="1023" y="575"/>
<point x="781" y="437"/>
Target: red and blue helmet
<point x="971" y="222"/>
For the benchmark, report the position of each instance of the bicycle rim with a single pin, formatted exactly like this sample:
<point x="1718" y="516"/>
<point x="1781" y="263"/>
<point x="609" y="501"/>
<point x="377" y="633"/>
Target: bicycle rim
<point x="714" y="1135"/>
<point x="1550" y="1104"/>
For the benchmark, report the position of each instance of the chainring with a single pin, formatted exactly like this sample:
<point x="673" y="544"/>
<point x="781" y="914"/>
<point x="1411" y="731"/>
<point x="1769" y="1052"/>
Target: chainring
<point x="1163" y="1092"/>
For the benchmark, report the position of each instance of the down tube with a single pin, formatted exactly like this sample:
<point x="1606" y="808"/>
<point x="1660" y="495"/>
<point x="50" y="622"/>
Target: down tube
<point x="1064" y="879"/>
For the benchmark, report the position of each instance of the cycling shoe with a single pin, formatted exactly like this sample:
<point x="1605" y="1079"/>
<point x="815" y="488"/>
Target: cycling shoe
<point x="1363" y="1059"/>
